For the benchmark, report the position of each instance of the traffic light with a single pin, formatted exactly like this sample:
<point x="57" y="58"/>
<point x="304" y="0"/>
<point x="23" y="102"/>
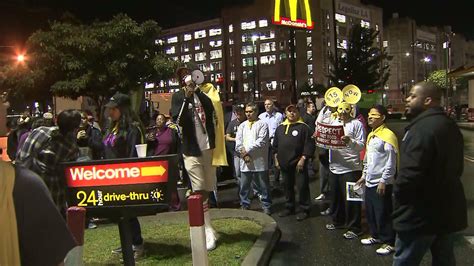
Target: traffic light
<point x="370" y="91"/>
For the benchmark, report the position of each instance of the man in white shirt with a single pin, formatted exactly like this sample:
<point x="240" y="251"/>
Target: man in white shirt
<point x="345" y="166"/>
<point x="273" y="119"/>
<point x="252" y="144"/>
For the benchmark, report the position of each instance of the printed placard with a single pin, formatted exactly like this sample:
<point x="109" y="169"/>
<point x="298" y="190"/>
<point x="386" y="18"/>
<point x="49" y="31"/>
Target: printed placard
<point x="329" y="136"/>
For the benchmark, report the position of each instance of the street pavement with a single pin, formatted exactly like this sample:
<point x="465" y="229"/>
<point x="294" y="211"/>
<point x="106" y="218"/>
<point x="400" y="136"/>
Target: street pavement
<point x="309" y="243"/>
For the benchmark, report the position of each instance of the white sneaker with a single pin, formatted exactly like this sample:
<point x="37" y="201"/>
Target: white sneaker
<point x="320" y="197"/>
<point x="211" y="239"/>
<point x="385" y="249"/>
<point x="370" y="241"/>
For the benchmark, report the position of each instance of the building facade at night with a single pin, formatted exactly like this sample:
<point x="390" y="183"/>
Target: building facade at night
<point x="249" y="57"/>
<point x="419" y="50"/>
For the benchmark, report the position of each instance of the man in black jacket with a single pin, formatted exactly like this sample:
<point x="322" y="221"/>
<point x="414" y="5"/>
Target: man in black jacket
<point x="293" y="149"/>
<point x="429" y="200"/>
<point x="194" y="112"/>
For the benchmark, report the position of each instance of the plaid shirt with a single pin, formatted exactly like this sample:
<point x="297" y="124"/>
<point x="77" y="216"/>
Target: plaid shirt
<point x="42" y="153"/>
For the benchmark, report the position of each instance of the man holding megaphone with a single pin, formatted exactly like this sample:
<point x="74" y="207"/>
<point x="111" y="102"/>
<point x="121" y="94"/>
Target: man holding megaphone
<point x="193" y="110"/>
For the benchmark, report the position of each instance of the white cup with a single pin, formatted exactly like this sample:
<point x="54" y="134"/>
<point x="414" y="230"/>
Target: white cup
<point x="141" y="150"/>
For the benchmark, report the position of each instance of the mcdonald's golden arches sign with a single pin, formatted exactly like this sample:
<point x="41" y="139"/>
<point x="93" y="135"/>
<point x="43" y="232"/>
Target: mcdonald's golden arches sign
<point x="290" y="15"/>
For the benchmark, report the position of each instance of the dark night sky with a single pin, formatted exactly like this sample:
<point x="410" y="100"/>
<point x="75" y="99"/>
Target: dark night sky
<point x="18" y="18"/>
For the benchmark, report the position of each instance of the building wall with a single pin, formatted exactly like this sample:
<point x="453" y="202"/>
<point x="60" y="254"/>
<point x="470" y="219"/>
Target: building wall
<point x="255" y="62"/>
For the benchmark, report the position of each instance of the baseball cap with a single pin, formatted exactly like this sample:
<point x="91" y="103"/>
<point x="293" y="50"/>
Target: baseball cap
<point x="290" y="107"/>
<point x="48" y="115"/>
<point x="118" y="100"/>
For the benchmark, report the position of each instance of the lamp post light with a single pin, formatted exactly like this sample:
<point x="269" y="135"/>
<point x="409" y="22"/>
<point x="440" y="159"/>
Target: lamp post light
<point x="425" y="61"/>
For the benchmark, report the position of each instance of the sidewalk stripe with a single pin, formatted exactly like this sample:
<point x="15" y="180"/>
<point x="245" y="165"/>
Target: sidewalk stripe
<point x="469" y="159"/>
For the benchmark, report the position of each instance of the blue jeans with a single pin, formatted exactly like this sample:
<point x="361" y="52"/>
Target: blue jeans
<point x="410" y="249"/>
<point x="263" y="183"/>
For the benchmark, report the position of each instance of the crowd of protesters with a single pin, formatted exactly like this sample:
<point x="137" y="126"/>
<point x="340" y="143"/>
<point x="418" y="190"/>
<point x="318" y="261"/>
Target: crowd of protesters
<point x="277" y="149"/>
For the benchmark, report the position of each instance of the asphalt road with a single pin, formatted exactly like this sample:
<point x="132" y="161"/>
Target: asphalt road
<point x="309" y="243"/>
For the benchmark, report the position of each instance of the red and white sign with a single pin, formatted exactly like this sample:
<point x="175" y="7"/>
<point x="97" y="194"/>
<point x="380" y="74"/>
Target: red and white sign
<point x="298" y="23"/>
<point x="117" y="174"/>
<point x="329" y="136"/>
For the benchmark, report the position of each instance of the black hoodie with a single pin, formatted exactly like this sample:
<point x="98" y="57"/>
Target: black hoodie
<point x="428" y="193"/>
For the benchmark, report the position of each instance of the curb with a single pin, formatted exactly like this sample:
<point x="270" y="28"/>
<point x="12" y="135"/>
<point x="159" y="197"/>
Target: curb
<point x="466" y="125"/>
<point x="261" y="250"/>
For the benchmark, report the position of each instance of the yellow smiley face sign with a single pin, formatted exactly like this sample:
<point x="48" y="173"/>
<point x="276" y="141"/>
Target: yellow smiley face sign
<point x="333" y="97"/>
<point x="351" y="94"/>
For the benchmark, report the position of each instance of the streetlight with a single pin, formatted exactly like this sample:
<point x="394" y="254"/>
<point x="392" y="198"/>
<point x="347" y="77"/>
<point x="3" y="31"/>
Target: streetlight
<point x="20" y="58"/>
<point x="425" y="61"/>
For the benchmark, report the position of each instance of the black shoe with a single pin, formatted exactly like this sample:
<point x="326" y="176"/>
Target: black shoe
<point x="286" y="212"/>
<point x="302" y="215"/>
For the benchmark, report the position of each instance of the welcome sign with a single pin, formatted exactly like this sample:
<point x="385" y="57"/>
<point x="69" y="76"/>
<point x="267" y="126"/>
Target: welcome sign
<point x="121" y="184"/>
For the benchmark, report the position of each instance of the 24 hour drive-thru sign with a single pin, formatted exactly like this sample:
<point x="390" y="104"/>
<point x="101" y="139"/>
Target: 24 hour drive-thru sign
<point x="290" y="14"/>
<point x="112" y="187"/>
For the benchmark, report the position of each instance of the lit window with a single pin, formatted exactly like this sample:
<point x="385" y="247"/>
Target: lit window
<point x="364" y="24"/>
<point x="267" y="35"/>
<point x="170" y="50"/>
<point x="231" y="28"/>
<point x="216" y="54"/>
<point x="283" y="56"/>
<point x="247" y="61"/>
<point x="340" y="18"/>
<point x="174" y="58"/>
<point x="231" y="41"/>
<point x="188" y="37"/>
<point x="310" y="69"/>
<point x="329" y="44"/>
<point x="247" y="49"/>
<point x="186" y="58"/>
<point x="263" y="23"/>
<point x="232" y="75"/>
<point x="214" y="32"/>
<point x="198" y="46"/>
<point x="248" y="25"/>
<point x="268" y="60"/>
<point x="342" y="44"/>
<point x="245" y="86"/>
<point x="200" y="56"/>
<point x="385" y="43"/>
<point x="203" y="67"/>
<point x="217" y="43"/>
<point x="309" y="41"/>
<point x="159" y="42"/>
<point x="173" y="39"/>
<point x="267" y="47"/>
<point x="376" y="27"/>
<point x="199" y="34"/>
<point x="215" y="66"/>
<point x="309" y="55"/>
<point x="185" y="48"/>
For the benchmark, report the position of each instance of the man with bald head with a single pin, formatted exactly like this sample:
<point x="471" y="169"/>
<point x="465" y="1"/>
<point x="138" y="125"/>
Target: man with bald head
<point x="429" y="200"/>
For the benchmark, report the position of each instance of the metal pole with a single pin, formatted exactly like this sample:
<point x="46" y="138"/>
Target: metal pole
<point x="294" y="98"/>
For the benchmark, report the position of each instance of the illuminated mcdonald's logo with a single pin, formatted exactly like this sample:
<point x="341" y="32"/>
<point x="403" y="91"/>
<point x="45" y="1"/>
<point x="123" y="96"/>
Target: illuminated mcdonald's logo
<point x="291" y="8"/>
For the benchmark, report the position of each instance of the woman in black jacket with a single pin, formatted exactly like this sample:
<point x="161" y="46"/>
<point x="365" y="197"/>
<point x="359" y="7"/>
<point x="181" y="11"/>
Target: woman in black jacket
<point x="124" y="132"/>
